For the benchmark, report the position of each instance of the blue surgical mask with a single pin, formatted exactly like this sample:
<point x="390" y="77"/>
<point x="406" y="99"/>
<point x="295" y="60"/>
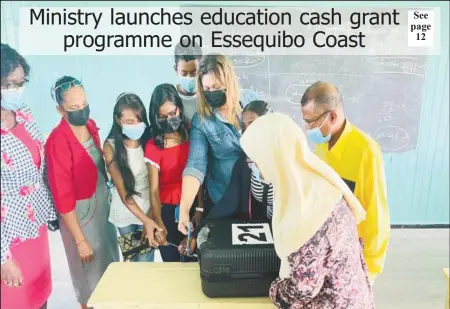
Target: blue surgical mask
<point x="257" y="174"/>
<point x="316" y="136"/>
<point x="188" y="83"/>
<point x="134" y="131"/>
<point x="255" y="171"/>
<point x="12" y="99"/>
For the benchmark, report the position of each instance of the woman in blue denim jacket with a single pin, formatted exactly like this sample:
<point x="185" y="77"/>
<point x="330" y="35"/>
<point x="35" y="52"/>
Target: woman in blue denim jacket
<point x="215" y="134"/>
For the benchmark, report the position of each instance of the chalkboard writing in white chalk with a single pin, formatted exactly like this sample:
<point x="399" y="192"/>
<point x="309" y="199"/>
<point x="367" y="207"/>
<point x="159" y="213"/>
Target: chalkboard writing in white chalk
<point x="382" y="94"/>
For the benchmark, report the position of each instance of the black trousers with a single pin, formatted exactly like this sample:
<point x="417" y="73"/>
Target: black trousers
<point x="170" y="253"/>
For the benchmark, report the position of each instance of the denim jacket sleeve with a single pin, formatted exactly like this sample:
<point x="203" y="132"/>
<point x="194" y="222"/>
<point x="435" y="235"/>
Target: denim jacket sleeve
<point x="198" y="152"/>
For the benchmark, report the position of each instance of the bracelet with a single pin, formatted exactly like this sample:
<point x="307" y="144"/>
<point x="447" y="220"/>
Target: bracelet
<point x="81" y="242"/>
<point x="198" y="209"/>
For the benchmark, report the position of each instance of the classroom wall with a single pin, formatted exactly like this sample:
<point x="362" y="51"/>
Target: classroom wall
<point x="418" y="180"/>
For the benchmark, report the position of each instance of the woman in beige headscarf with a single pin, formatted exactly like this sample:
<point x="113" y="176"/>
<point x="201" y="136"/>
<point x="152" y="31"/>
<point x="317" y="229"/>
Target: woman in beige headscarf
<point x="314" y="222"/>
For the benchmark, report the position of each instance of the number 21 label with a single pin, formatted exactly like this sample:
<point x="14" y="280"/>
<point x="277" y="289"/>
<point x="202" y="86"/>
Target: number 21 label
<point x="251" y="234"/>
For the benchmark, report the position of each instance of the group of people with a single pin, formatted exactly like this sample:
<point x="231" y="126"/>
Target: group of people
<point x="206" y="149"/>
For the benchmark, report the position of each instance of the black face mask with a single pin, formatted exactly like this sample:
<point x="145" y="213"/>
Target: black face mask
<point x="80" y="117"/>
<point x="171" y="124"/>
<point x="216" y="98"/>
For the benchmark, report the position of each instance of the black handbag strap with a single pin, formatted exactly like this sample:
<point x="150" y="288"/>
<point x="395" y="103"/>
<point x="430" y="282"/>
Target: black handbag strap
<point x="130" y="253"/>
<point x="135" y="250"/>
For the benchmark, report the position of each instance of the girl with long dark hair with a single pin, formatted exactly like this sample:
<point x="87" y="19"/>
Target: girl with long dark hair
<point x="166" y="155"/>
<point x="124" y="154"/>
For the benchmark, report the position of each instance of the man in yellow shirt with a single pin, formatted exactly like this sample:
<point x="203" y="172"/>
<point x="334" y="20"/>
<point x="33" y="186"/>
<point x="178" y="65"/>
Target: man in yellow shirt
<point x="358" y="159"/>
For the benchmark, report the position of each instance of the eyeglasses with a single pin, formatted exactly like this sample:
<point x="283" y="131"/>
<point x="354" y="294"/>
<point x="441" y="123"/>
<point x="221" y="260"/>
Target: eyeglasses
<point x="65" y="86"/>
<point x="162" y="118"/>
<point x="15" y="86"/>
<point x="309" y="124"/>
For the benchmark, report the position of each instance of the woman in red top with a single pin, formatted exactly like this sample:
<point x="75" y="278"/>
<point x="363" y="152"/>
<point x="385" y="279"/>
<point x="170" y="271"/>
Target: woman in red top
<point x="166" y="156"/>
<point x="77" y="180"/>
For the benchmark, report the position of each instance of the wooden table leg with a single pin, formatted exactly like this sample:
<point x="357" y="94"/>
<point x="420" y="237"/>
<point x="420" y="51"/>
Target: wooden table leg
<point x="447" y="298"/>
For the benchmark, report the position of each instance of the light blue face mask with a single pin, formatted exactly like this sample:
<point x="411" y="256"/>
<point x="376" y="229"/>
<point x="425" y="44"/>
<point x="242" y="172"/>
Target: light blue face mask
<point x="12" y="99"/>
<point x="255" y="171"/>
<point x="316" y="136"/>
<point x="134" y="131"/>
<point x="257" y="174"/>
<point x="188" y="83"/>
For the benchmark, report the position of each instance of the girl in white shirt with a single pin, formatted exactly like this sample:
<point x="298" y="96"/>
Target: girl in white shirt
<point x="124" y="156"/>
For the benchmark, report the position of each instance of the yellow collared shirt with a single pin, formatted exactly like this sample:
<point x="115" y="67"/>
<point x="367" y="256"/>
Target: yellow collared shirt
<point x="358" y="159"/>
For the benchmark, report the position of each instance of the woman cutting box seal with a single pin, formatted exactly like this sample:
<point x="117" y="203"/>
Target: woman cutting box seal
<point x="247" y="195"/>
<point x="214" y="135"/>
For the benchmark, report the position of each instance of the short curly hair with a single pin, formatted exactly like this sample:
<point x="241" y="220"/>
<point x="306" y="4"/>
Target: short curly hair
<point x="11" y="60"/>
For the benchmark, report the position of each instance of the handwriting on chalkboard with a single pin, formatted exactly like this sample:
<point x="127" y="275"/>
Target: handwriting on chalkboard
<point x="247" y="61"/>
<point x="294" y="93"/>
<point x="354" y="99"/>
<point x="393" y="138"/>
<point x="382" y="95"/>
<point x="260" y="93"/>
<point x="387" y="111"/>
<point x="389" y="108"/>
<point x="403" y="65"/>
<point x="242" y="76"/>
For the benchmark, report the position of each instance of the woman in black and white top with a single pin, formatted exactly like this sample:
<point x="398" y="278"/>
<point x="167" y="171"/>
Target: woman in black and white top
<point x="261" y="190"/>
<point x="247" y="195"/>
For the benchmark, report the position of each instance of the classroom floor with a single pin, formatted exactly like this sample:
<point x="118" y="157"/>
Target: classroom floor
<point x="413" y="277"/>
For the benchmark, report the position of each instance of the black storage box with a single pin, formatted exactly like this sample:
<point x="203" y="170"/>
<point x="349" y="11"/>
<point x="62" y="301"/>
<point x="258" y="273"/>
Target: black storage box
<point x="237" y="258"/>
